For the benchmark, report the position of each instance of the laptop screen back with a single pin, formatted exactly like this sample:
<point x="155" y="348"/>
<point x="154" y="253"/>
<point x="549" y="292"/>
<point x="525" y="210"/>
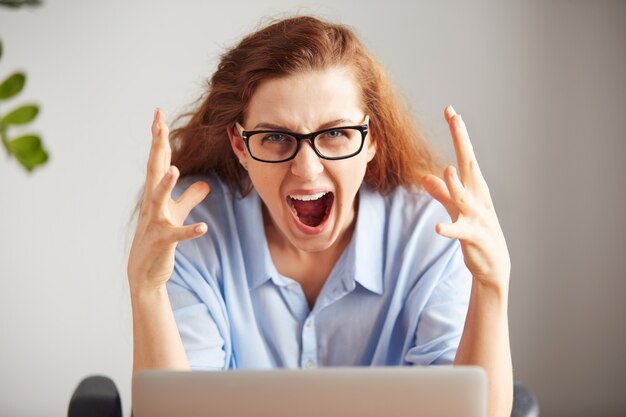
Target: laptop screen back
<point x="324" y="392"/>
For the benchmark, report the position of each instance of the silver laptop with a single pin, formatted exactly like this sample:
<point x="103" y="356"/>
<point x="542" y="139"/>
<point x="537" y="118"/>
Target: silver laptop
<point x="325" y="392"/>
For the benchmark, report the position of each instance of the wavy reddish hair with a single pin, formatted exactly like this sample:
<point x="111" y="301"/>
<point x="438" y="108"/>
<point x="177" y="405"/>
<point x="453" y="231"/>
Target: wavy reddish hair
<point x="286" y="47"/>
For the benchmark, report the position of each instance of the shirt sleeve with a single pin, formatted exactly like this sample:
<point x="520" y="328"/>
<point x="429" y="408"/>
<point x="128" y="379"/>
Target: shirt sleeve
<point x="440" y="324"/>
<point x="190" y="295"/>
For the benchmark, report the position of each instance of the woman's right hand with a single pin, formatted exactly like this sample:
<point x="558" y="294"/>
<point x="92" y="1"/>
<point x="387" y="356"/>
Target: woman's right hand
<point x="160" y="224"/>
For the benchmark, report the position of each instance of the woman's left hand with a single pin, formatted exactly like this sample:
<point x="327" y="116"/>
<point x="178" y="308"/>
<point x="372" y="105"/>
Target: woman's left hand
<point x="466" y="197"/>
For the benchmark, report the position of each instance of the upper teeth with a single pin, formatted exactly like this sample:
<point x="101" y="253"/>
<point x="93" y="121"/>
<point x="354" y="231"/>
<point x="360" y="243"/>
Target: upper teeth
<point x="308" y="197"/>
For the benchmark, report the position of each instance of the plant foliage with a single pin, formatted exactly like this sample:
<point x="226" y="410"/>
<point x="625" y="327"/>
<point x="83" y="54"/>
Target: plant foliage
<point x="27" y="149"/>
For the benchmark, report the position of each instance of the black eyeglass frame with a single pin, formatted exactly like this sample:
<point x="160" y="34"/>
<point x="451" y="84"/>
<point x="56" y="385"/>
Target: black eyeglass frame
<point x="363" y="128"/>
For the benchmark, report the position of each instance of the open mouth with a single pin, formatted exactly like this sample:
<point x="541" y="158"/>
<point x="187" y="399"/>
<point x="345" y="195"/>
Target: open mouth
<point x="311" y="209"/>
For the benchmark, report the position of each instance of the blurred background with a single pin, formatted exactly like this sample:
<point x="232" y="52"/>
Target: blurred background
<point x="541" y="86"/>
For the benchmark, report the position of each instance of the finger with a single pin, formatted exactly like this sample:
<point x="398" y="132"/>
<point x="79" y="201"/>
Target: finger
<point x="163" y="191"/>
<point x="448" y="113"/>
<point x="189" y="232"/>
<point x="469" y="170"/>
<point x="458" y="192"/>
<point x="437" y="188"/>
<point x="191" y="198"/>
<point x="167" y="156"/>
<point x="164" y="131"/>
<point x="451" y="231"/>
<point x="158" y="152"/>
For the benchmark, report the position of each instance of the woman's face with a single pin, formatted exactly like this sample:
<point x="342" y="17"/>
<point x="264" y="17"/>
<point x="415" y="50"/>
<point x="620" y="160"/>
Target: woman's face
<point x="310" y="201"/>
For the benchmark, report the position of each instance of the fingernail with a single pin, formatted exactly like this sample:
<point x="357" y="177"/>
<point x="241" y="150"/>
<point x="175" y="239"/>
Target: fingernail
<point x="200" y="228"/>
<point x="168" y="174"/>
<point x="459" y="121"/>
<point x="452" y="110"/>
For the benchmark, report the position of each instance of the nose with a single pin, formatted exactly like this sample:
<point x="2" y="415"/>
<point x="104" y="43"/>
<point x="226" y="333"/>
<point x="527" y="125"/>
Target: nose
<point x="306" y="165"/>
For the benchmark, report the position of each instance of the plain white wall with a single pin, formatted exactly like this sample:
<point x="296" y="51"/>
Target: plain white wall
<point x="540" y="85"/>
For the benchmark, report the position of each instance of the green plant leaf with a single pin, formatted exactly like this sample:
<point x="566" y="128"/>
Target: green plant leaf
<point x="21" y="115"/>
<point x="12" y="85"/>
<point x="20" y="3"/>
<point x="28" y="151"/>
<point x="33" y="160"/>
<point x="24" y="144"/>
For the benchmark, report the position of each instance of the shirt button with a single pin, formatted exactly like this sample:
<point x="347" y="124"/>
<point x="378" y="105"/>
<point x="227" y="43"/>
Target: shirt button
<point x="309" y="364"/>
<point x="309" y="323"/>
<point x="291" y="287"/>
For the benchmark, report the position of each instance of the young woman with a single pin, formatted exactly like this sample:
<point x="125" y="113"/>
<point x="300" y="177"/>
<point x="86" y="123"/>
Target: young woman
<point x="300" y="235"/>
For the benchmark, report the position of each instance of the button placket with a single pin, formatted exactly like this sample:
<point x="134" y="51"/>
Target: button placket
<point x="309" y="345"/>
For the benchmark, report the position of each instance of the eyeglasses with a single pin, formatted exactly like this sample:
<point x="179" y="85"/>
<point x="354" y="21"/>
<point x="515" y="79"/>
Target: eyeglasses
<point x="334" y="143"/>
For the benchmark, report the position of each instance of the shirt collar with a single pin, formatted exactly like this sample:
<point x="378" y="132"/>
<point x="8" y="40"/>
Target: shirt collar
<point x="369" y="240"/>
<point x="249" y="219"/>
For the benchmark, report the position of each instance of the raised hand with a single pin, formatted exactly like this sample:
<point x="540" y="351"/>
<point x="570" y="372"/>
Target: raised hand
<point x="466" y="197"/>
<point x="160" y="224"/>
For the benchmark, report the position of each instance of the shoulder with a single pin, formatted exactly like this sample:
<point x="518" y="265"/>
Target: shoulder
<point x="219" y="189"/>
<point x="217" y="211"/>
<point x="404" y="207"/>
<point x="216" y="205"/>
<point x="230" y="217"/>
<point x="404" y="220"/>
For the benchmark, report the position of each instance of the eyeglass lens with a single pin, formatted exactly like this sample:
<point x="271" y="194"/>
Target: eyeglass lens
<point x="276" y="146"/>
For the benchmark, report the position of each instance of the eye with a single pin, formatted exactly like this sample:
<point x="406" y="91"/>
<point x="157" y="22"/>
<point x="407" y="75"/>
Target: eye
<point x="334" y="134"/>
<point x="276" y="137"/>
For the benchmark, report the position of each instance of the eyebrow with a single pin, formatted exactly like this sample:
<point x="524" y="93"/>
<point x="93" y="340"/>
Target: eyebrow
<point x="332" y="123"/>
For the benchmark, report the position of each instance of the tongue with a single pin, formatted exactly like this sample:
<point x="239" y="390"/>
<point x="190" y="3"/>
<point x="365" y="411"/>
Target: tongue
<point x="312" y="212"/>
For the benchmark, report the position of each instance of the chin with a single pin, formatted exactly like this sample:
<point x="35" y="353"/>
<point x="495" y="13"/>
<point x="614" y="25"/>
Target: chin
<point x="312" y="244"/>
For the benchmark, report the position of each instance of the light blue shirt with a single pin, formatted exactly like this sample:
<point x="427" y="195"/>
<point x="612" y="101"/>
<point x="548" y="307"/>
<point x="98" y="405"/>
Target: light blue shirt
<point x="398" y="295"/>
